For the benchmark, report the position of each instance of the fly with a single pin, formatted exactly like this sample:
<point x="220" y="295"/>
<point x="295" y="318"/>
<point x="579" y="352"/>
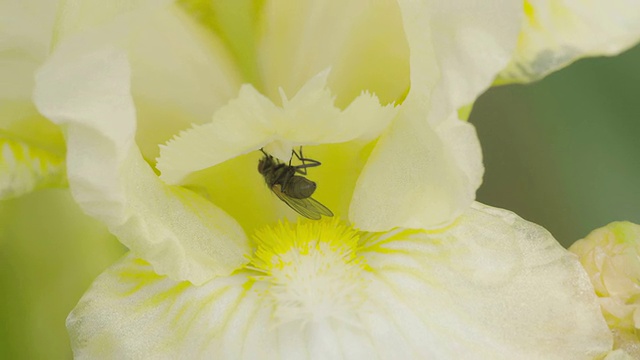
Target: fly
<point x="294" y="190"/>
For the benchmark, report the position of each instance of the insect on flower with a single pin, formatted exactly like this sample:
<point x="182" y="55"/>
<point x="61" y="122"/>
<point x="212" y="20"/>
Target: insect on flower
<point x="295" y="190"/>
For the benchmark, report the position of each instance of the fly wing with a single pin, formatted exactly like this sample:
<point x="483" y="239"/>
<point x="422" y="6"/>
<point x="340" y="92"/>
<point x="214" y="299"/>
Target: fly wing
<point x="307" y="207"/>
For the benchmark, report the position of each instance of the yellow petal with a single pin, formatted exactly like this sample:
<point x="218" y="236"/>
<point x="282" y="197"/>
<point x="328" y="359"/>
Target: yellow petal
<point x="610" y="257"/>
<point x="556" y="33"/>
<point x="25" y="167"/>
<point x="77" y="16"/>
<point x="361" y="41"/>
<point x="236" y="23"/>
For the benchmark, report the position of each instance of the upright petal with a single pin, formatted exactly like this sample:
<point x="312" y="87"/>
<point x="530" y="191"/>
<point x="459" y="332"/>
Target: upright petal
<point x="417" y="176"/>
<point x="457" y="48"/>
<point x="361" y="41"/>
<point x="180" y="233"/>
<point x="425" y="169"/>
<point x="181" y="72"/>
<point x="555" y="33"/>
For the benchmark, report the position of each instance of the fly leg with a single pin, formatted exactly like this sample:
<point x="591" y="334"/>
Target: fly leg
<point x="306" y="162"/>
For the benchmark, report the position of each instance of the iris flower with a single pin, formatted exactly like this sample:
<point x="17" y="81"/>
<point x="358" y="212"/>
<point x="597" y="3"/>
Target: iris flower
<point x="408" y="267"/>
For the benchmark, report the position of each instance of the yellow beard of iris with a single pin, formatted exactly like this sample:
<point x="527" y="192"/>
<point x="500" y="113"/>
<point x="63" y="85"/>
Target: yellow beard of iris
<point x="311" y="270"/>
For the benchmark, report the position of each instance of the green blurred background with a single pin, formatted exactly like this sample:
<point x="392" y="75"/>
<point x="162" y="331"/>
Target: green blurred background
<point x="563" y="152"/>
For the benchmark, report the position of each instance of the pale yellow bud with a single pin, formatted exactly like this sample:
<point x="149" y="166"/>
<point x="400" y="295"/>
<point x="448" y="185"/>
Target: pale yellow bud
<point x="611" y="257"/>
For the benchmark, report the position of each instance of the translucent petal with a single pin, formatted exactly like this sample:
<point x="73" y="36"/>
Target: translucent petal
<point x="618" y="355"/>
<point x="361" y="41"/>
<point x="418" y="176"/>
<point x="492" y="286"/>
<point x="26" y="25"/>
<point x="557" y="32"/>
<point x="181" y="72"/>
<point x="81" y="15"/>
<point x="457" y="48"/>
<point x="426" y="168"/>
<point x="236" y="23"/>
<point x="252" y="121"/>
<point x="180" y="233"/>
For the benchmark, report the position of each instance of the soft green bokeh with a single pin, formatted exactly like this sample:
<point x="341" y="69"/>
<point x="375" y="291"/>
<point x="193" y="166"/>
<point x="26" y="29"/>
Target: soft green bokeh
<point x="49" y="254"/>
<point x="565" y="152"/>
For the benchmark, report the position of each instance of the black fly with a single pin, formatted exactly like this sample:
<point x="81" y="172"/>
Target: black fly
<point x="294" y="190"/>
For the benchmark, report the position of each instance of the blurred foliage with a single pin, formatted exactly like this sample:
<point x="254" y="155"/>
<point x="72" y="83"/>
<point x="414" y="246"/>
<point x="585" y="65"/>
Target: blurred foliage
<point x="565" y="152"/>
<point x="50" y="252"/>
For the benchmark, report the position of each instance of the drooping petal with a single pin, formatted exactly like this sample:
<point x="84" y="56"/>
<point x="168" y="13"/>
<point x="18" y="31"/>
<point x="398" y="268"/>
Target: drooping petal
<point x="556" y="33"/>
<point x="492" y="286"/>
<point x="181" y="72"/>
<point x="426" y="168"/>
<point x="180" y="233"/>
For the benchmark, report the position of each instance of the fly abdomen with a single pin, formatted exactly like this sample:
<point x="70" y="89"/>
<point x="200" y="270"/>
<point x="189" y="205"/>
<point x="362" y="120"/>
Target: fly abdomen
<point x="294" y="190"/>
<point x="299" y="187"/>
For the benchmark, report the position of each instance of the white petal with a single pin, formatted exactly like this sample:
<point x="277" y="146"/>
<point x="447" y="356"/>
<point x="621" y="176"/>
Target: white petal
<point x="557" y="32"/>
<point x="418" y="176"/>
<point x="252" y="121"/>
<point x="492" y="286"/>
<point x="457" y="47"/>
<point x="130" y="312"/>
<point x="181" y="73"/>
<point x="180" y="233"/>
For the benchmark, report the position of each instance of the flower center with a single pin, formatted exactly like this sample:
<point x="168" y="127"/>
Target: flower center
<point x="311" y="269"/>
